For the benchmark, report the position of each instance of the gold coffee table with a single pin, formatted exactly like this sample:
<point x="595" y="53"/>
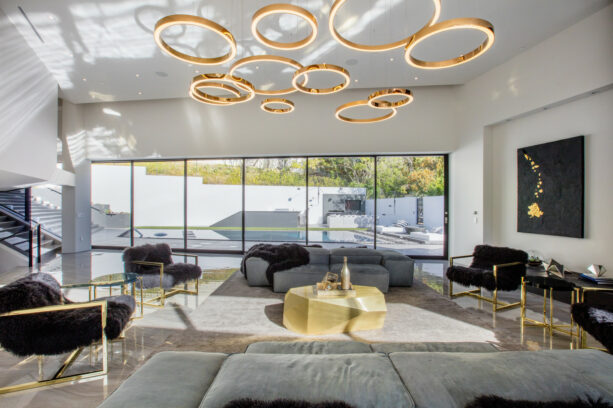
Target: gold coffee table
<point x="306" y="313"/>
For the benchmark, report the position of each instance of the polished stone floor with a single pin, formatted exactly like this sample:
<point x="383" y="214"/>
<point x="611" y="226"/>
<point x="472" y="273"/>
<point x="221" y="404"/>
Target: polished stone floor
<point x="228" y="315"/>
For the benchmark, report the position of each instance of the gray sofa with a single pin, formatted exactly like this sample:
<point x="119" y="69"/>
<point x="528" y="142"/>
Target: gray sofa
<point x="368" y="267"/>
<point x="387" y="375"/>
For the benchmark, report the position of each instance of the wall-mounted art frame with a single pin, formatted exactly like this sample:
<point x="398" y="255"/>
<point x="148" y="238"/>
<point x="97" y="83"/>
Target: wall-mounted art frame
<point x="550" y="188"/>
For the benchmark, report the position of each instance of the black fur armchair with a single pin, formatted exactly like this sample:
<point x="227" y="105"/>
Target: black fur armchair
<point x="36" y="319"/>
<point x="492" y="268"/>
<point x="596" y="318"/>
<point x="154" y="263"/>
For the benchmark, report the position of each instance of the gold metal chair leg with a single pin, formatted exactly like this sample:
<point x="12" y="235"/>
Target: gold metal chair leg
<point x="40" y="367"/>
<point x="71" y="358"/>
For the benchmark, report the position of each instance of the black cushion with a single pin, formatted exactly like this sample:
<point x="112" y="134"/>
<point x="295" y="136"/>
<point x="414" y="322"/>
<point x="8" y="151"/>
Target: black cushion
<point x="54" y="332"/>
<point x="284" y="403"/>
<point x="597" y="320"/>
<point x="491" y="401"/>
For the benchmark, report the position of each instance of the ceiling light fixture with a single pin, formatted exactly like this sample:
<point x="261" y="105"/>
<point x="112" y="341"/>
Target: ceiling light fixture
<point x="354" y="104"/>
<point x="218" y="85"/>
<point x="375" y="101"/>
<point x="201" y="81"/>
<point x="184" y="19"/>
<point x="375" y="48"/>
<point x="279" y="111"/>
<point x="269" y="58"/>
<point x="453" y="24"/>
<point x="321" y="67"/>
<point x="284" y="9"/>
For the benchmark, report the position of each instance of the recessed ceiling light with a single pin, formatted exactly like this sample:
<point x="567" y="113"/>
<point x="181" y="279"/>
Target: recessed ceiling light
<point x="197" y="71"/>
<point x="137" y="75"/>
<point x="51" y="17"/>
<point x="416" y="78"/>
<point x="392" y="59"/>
<point x="257" y="67"/>
<point x="84" y="79"/>
<point x="355" y="80"/>
<point x="140" y="93"/>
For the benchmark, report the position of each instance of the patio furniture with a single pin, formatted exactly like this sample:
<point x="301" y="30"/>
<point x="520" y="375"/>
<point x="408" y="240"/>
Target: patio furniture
<point x="36" y="319"/>
<point x="492" y="268"/>
<point x="154" y="263"/>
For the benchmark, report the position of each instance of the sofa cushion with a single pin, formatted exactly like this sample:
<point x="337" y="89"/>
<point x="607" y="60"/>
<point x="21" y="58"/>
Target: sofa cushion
<point x="465" y="347"/>
<point x="318" y="256"/>
<point x="285" y="403"/>
<point x="308" y="347"/>
<point x="534" y="376"/>
<point x="315" y="378"/>
<point x="366" y="275"/>
<point x="400" y="268"/>
<point x="169" y="379"/>
<point x="299" y="276"/>
<point x="355" y="256"/>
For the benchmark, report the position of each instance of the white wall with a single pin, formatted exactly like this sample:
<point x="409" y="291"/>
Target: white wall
<point x="590" y="116"/>
<point x="573" y="62"/>
<point x="184" y="127"/>
<point x="28" y="112"/>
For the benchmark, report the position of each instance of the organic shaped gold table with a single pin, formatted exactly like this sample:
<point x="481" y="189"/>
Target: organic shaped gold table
<point x="306" y="313"/>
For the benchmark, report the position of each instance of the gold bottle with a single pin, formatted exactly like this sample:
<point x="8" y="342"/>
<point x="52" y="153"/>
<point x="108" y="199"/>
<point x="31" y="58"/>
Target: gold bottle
<point x="345" y="276"/>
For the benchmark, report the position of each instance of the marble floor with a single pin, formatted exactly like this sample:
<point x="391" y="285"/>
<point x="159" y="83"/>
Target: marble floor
<point x="228" y="315"/>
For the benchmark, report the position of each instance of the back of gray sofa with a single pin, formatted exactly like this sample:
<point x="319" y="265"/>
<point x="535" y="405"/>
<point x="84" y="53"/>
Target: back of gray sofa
<point x="355" y="256"/>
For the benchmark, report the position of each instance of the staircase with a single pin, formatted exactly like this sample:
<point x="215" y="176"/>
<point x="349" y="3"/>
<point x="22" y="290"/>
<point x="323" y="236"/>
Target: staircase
<point x="15" y="226"/>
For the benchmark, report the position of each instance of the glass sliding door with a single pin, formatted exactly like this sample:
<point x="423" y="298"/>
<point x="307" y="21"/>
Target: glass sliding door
<point x="215" y="204"/>
<point x="411" y="204"/>
<point x="275" y="201"/>
<point x="341" y="194"/>
<point x="158" y="203"/>
<point x="110" y="204"/>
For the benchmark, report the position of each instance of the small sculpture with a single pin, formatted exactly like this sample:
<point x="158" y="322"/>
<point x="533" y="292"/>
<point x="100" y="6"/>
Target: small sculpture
<point x="345" y="276"/>
<point x="555" y="268"/>
<point x="597" y="270"/>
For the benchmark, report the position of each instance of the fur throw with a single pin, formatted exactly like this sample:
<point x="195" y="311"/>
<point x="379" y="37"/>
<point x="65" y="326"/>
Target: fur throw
<point x="279" y="257"/>
<point x="597" y="320"/>
<point x="491" y="401"/>
<point x="54" y="332"/>
<point x="480" y="273"/>
<point x="174" y="273"/>
<point x="284" y="403"/>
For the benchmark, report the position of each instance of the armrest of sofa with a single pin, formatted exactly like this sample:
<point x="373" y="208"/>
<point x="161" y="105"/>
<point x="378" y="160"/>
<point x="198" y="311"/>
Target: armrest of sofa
<point x="400" y="268"/>
<point x="255" y="270"/>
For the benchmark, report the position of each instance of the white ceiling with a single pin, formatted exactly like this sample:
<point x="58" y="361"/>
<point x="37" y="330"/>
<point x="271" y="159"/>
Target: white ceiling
<point x="104" y="50"/>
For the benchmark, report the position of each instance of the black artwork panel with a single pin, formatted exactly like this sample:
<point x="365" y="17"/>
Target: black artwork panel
<point x="550" y="188"/>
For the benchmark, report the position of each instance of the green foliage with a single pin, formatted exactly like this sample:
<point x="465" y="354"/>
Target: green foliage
<point x="396" y="176"/>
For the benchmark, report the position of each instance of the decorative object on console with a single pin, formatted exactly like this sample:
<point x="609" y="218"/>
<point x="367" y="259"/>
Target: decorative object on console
<point x="597" y="270"/>
<point x="534" y="258"/>
<point x="550" y="188"/>
<point x="555" y="268"/>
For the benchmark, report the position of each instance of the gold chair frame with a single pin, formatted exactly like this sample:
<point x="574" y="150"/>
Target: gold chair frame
<point x="57" y="378"/>
<point x="497" y="305"/>
<point x="160" y="300"/>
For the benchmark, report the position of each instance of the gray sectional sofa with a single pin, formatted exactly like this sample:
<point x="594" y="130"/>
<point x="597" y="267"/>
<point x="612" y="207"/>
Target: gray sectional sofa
<point x="387" y="375"/>
<point x="368" y="267"/>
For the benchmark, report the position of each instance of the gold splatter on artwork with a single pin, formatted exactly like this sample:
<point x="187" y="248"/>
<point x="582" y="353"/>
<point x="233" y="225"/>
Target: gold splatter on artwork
<point x="533" y="166"/>
<point x="534" y="211"/>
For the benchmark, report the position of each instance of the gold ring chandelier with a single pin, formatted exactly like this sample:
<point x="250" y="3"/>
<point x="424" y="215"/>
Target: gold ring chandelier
<point x="184" y="19"/>
<point x="279" y="111"/>
<point x="269" y="58"/>
<point x="375" y="48"/>
<point x="205" y="80"/>
<point x="321" y="67"/>
<point x="217" y="85"/>
<point x="284" y="9"/>
<point x="364" y="102"/>
<point x="453" y="24"/>
<point x="375" y="99"/>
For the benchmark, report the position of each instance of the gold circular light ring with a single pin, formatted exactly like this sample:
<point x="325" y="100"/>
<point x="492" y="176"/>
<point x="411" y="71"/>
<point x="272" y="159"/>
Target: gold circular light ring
<point x="354" y="104"/>
<point x="453" y="24"/>
<point x="278" y="111"/>
<point x="269" y="58"/>
<point x="284" y="9"/>
<point x="375" y="48"/>
<point x="218" y="85"/>
<point x="204" y="79"/>
<point x="374" y="99"/>
<point x="321" y="67"/>
<point x="185" y="19"/>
